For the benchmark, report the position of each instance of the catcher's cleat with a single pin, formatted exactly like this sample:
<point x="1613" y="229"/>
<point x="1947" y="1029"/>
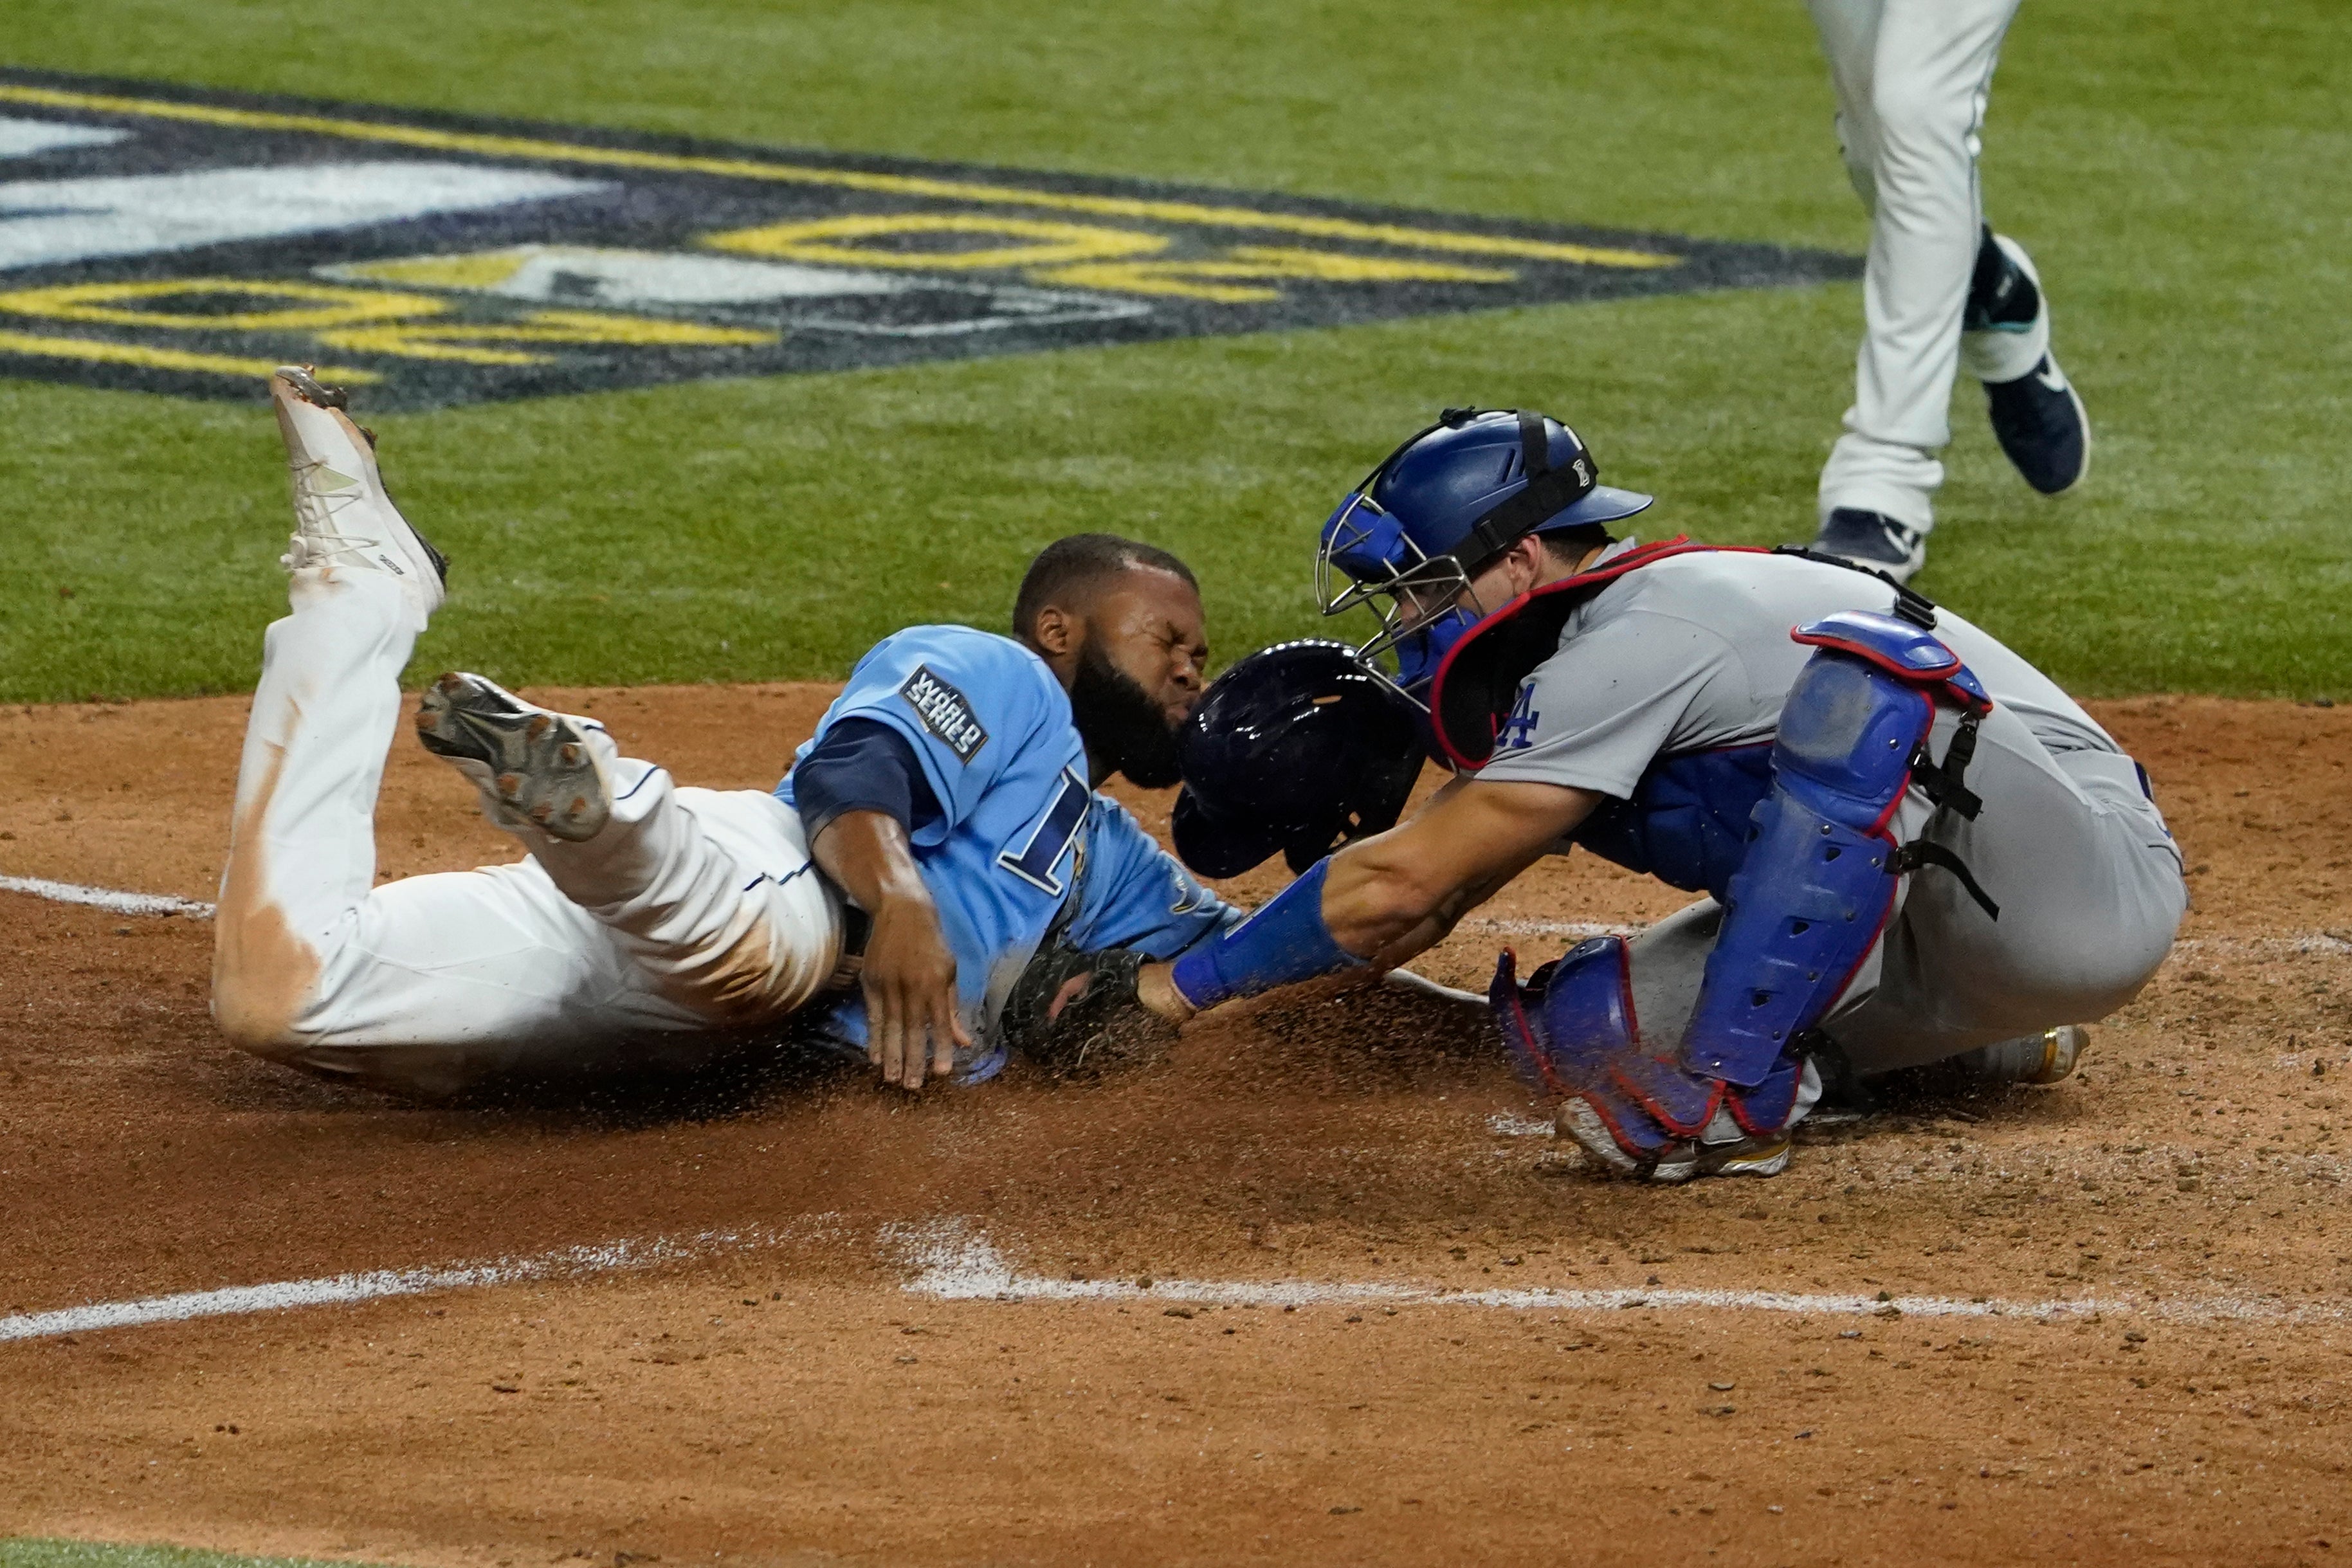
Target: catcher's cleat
<point x="343" y="516"/>
<point x="534" y="768"/>
<point x="1673" y="1160"/>
<point x="2050" y="1056"/>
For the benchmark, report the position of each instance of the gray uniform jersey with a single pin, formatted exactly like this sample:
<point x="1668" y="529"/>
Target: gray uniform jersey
<point x="1693" y="653"/>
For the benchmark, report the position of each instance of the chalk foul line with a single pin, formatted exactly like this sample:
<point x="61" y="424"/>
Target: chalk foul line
<point x="336" y="1290"/>
<point x="955" y="1263"/>
<point x="958" y="1265"/>
<point x="109" y="899"/>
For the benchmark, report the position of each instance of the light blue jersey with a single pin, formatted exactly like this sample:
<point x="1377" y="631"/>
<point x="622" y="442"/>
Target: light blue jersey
<point x="1022" y="842"/>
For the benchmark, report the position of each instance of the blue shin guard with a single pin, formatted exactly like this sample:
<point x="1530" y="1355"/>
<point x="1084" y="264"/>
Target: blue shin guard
<point x="1815" y="890"/>
<point x="1802" y="913"/>
<point x="1571" y="1019"/>
<point x="1572" y="1034"/>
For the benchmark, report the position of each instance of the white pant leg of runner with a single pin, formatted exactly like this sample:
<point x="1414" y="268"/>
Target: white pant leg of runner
<point x="704" y="911"/>
<point x="1912" y="80"/>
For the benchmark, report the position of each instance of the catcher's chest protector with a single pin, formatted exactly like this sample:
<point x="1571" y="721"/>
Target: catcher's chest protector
<point x="1820" y="875"/>
<point x="1686" y="824"/>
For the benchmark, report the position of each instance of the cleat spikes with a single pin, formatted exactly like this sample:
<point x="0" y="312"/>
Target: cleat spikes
<point x="535" y="769"/>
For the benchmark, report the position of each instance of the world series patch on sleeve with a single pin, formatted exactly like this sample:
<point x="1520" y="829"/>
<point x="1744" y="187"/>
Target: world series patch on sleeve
<point x="168" y="239"/>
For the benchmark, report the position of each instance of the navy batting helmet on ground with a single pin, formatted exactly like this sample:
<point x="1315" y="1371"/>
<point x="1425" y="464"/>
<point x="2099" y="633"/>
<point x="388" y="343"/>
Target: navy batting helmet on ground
<point x="1299" y="747"/>
<point x="1440" y="507"/>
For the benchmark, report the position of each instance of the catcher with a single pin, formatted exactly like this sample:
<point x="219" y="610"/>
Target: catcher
<point x="921" y="888"/>
<point x="1912" y="844"/>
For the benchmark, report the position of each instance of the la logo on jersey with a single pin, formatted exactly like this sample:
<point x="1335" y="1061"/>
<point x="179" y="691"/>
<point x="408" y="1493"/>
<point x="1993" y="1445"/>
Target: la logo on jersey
<point x="1518" y="731"/>
<point x="944" y="713"/>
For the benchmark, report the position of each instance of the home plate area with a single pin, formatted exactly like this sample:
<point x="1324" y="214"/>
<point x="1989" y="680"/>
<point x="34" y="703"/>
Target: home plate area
<point x="1319" y="1273"/>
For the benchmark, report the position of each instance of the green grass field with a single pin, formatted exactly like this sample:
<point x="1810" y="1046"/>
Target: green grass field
<point x="2180" y="186"/>
<point x="40" y="1552"/>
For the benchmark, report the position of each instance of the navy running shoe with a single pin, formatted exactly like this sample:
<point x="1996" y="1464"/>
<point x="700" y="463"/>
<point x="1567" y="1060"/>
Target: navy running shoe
<point x="2039" y="417"/>
<point x="1874" y="540"/>
<point x="2040" y="422"/>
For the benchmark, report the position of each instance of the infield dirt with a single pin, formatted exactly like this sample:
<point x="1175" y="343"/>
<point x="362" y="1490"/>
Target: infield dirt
<point x="793" y="1404"/>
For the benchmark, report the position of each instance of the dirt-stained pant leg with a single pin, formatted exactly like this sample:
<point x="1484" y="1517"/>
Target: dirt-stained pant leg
<point x="1666" y="962"/>
<point x="704" y="912"/>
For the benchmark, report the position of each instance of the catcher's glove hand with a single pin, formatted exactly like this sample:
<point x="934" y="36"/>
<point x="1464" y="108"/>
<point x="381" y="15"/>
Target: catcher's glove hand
<point x="1074" y="1012"/>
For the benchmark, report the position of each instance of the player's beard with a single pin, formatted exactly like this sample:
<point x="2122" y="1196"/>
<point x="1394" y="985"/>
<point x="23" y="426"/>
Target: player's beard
<point x="1125" y="730"/>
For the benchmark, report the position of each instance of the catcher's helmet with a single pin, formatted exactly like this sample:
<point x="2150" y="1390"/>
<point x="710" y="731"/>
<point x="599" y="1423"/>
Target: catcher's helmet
<point x="1299" y="747"/>
<point x="1440" y="507"/>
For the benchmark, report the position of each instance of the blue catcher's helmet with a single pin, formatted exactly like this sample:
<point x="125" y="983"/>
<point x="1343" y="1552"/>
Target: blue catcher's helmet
<point x="1299" y="747"/>
<point x="1439" y="509"/>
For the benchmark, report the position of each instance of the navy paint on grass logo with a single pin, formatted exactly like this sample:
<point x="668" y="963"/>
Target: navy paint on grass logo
<point x="944" y="713"/>
<point x="171" y="240"/>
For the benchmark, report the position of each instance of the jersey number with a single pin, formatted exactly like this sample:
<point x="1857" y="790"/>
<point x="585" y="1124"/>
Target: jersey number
<point x="1519" y="729"/>
<point x="1035" y="861"/>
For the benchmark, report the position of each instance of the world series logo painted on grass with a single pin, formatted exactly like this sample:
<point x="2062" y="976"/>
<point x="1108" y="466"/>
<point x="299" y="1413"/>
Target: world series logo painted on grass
<point x="170" y="240"/>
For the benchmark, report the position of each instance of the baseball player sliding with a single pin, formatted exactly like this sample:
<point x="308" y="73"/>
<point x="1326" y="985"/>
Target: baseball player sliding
<point x="1940" y="289"/>
<point x="1912" y="844"/>
<point x="940" y="831"/>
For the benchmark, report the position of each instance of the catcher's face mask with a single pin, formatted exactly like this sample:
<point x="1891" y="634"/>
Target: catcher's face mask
<point x="1433" y="514"/>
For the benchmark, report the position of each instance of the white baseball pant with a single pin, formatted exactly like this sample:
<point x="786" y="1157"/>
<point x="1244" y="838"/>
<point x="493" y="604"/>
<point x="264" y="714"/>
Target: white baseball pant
<point x="692" y="912"/>
<point x="1913" y="77"/>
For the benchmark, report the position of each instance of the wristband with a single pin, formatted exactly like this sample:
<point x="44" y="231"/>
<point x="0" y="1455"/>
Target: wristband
<point x="1283" y="942"/>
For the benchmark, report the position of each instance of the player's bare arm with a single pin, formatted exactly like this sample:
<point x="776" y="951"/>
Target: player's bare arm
<point x="1388" y="899"/>
<point x="1769" y="731"/>
<point x="908" y="973"/>
<point x="1393" y="895"/>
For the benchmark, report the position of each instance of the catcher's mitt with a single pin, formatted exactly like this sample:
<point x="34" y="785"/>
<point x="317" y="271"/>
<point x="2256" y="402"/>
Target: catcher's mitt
<point x="1074" y="1012"/>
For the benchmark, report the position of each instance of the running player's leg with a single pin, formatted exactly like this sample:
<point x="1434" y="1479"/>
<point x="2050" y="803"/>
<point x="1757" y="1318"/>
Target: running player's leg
<point x="1912" y="92"/>
<point x="426" y="979"/>
<point x="711" y="893"/>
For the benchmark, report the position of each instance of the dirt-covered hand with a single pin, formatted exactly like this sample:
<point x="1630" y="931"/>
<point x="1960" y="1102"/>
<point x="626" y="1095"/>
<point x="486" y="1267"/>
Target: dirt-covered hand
<point x="909" y="980"/>
<point x="1074" y="1012"/>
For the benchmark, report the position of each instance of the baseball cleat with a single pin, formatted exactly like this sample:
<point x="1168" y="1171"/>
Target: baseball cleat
<point x="1675" y="1161"/>
<point x="343" y="517"/>
<point x="534" y="767"/>
<point x="2040" y="422"/>
<point x="1748" y="1157"/>
<point x="1874" y="540"/>
<point x="2050" y="1056"/>
<point x="2037" y="418"/>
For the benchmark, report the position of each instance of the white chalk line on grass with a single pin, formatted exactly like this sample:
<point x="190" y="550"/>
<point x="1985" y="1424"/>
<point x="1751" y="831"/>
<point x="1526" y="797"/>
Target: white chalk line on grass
<point x="954" y="1263"/>
<point x="119" y="902"/>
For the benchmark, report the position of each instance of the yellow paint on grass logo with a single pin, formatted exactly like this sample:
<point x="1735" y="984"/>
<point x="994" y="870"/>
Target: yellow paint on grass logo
<point x="171" y="241"/>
